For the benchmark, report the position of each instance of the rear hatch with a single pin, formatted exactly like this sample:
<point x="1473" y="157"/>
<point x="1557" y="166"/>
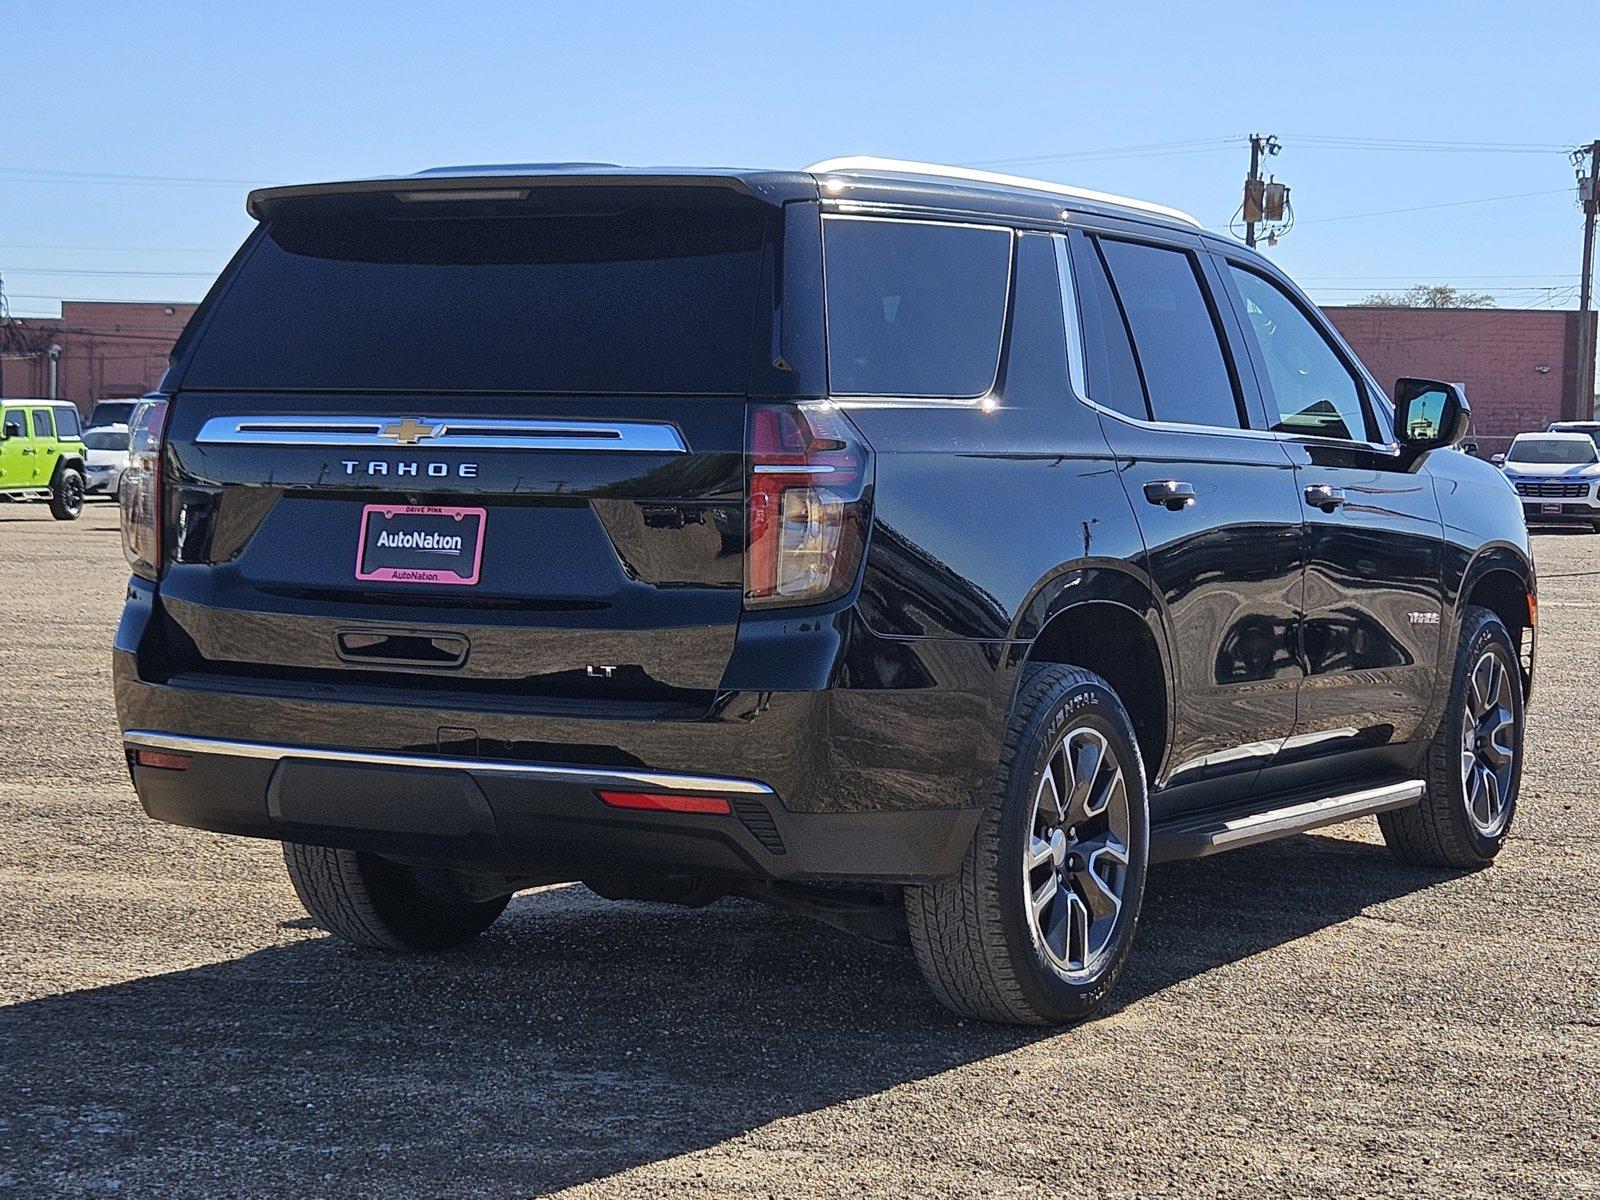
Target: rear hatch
<point x="490" y="444"/>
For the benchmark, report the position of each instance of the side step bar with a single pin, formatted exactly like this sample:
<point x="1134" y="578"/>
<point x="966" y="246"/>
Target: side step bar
<point x="1212" y="833"/>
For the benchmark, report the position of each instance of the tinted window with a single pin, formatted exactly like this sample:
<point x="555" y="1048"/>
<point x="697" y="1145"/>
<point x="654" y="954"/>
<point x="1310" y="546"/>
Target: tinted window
<point x="1109" y="366"/>
<point x="1315" y="392"/>
<point x="1185" y="374"/>
<point x="15" y="422"/>
<point x="67" y="423"/>
<point x="914" y="309"/>
<point x="115" y="412"/>
<point x="41" y="423"/>
<point x="626" y="296"/>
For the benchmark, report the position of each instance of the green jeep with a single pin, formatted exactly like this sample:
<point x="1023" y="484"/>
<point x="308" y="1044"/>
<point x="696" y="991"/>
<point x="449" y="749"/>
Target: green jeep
<point x="41" y="455"/>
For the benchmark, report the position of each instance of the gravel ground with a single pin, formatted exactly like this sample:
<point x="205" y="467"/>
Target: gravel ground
<point x="1306" y="1018"/>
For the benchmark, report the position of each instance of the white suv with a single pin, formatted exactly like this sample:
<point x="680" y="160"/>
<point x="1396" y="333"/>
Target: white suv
<point x="1556" y="475"/>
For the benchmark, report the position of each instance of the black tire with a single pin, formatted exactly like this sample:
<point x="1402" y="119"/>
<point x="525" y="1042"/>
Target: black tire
<point x="1441" y="829"/>
<point x="382" y="905"/>
<point x="66" y="495"/>
<point x="974" y="939"/>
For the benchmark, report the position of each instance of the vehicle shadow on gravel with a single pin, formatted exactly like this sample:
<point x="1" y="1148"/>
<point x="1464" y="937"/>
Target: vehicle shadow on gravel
<point x="575" y="1040"/>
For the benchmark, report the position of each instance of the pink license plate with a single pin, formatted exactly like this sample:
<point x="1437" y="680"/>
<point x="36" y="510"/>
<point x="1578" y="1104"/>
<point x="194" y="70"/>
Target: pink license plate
<point x="420" y="543"/>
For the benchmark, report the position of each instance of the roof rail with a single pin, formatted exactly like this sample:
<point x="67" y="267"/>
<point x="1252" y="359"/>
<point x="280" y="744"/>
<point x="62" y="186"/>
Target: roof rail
<point x="897" y="166"/>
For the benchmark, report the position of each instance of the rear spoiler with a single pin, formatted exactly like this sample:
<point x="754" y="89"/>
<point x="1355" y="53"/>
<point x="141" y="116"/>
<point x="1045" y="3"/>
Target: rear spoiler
<point x="468" y="186"/>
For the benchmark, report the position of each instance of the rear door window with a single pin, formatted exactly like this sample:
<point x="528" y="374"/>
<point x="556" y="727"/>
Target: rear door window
<point x="1187" y="377"/>
<point x="41" y="423"/>
<point x="1110" y="370"/>
<point x="915" y="308"/>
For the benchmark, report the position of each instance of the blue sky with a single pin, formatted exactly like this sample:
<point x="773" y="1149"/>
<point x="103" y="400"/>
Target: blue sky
<point x="276" y="91"/>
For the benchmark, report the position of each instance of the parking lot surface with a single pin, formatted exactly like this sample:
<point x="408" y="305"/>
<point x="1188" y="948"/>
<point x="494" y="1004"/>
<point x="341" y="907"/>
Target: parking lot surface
<point x="1306" y="1018"/>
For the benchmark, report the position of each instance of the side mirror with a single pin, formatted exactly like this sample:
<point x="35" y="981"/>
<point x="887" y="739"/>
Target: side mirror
<point x="1469" y="447"/>
<point x="12" y="428"/>
<point x="1497" y="459"/>
<point x="1429" y="415"/>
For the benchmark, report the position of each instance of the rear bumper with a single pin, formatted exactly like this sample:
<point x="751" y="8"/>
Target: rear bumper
<point x="523" y="817"/>
<point x="844" y="758"/>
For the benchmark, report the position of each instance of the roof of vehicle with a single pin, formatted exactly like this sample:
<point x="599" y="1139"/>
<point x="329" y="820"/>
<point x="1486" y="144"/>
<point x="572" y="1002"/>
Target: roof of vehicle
<point x="853" y="178"/>
<point x="1567" y="426"/>
<point x="36" y="401"/>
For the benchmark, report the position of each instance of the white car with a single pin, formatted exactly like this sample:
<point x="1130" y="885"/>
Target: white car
<point x="1556" y="474"/>
<point x="105" y="456"/>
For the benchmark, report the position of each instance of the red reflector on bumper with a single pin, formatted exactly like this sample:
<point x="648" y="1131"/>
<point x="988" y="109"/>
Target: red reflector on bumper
<point x="655" y="802"/>
<point x="161" y="760"/>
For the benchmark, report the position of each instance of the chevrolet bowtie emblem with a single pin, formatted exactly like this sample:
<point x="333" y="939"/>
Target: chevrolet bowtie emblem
<point x="410" y="432"/>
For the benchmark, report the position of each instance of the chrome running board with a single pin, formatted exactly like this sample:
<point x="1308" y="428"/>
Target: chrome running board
<point x="592" y="777"/>
<point x="1211" y="833"/>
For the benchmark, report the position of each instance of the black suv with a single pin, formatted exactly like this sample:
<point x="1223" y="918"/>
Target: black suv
<point x="924" y="550"/>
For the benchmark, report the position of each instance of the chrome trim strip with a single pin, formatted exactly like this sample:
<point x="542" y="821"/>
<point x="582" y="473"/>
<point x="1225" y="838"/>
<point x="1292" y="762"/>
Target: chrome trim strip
<point x="869" y="164"/>
<point x="592" y="777"/>
<point x="448" y="433"/>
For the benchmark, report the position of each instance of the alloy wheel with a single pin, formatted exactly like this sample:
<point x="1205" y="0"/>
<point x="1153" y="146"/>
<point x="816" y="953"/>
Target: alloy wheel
<point x="1488" y="756"/>
<point x="1076" y="862"/>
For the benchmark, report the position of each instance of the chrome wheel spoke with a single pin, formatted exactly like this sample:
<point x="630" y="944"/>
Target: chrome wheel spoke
<point x="1048" y="802"/>
<point x="1079" y="951"/>
<point x="1101" y="877"/>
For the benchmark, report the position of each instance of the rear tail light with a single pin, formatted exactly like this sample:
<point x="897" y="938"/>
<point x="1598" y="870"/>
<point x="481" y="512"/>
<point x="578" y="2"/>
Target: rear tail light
<point x="810" y="480"/>
<point x="139" y="493"/>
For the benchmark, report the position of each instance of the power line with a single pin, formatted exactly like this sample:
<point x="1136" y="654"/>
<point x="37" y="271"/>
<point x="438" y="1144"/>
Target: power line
<point x="55" y="175"/>
<point x="1426" y="146"/>
<point x="89" y="271"/>
<point x="1149" y="149"/>
<point x="1390" y="212"/>
<point x="122" y="249"/>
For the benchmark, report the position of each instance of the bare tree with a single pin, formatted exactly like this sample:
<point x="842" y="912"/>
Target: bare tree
<point x="1430" y="295"/>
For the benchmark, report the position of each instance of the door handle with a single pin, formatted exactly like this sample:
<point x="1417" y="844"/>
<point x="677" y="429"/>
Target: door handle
<point x="1324" y="496"/>
<point x="29" y="450"/>
<point x="1171" y="494"/>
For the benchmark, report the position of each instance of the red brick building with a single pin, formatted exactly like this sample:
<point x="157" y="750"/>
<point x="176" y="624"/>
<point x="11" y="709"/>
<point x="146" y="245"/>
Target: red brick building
<point x="107" y="350"/>
<point x="1520" y="366"/>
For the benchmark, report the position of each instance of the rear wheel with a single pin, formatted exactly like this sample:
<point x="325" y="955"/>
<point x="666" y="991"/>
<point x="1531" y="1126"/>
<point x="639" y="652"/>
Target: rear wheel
<point x="384" y="905"/>
<point x="1037" y="925"/>
<point x="66" y="495"/>
<point x="1474" y="766"/>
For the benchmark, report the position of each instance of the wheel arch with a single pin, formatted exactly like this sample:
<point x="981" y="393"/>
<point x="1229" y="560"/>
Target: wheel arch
<point x="1106" y="619"/>
<point x="1501" y="578"/>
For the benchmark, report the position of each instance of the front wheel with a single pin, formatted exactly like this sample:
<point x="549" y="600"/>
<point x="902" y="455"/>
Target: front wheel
<point x="66" y="495"/>
<point x="1474" y="765"/>
<point x="384" y="905"/>
<point x="1037" y="925"/>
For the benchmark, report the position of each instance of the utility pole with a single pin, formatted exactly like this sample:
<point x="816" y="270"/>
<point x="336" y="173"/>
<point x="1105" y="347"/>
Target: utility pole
<point x="1254" y="189"/>
<point x="1589" y="198"/>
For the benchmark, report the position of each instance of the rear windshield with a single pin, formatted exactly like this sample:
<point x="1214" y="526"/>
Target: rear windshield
<point x="615" y="298"/>
<point x="1551" y="450"/>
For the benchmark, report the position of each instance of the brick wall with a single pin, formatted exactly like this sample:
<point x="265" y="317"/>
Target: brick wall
<point x="1519" y="365"/>
<point x="108" y="350"/>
